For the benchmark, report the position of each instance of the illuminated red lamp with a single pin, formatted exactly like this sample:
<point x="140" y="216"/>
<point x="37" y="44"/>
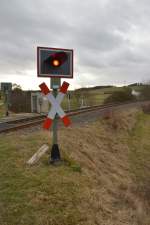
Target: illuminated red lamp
<point x="58" y="59"/>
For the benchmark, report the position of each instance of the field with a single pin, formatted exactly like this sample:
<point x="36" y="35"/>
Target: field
<point x="80" y="98"/>
<point x="88" y="97"/>
<point x="2" y="108"/>
<point x="104" y="179"/>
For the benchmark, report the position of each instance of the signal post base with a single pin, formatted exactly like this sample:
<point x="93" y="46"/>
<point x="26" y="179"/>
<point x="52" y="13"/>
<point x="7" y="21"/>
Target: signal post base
<point x="55" y="155"/>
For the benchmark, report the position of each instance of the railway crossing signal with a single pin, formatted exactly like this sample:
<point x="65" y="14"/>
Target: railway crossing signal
<point x="55" y="63"/>
<point x="55" y="102"/>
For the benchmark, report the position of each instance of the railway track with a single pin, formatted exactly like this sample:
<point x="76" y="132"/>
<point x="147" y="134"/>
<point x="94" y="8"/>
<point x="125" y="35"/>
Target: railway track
<point x="21" y="123"/>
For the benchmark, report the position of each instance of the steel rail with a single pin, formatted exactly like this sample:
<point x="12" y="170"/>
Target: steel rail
<point x="16" y="124"/>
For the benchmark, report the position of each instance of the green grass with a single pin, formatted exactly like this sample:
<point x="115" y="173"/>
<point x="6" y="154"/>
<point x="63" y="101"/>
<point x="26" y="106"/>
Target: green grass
<point x="2" y="107"/>
<point x="137" y="88"/>
<point x="2" y="110"/>
<point x="41" y="194"/>
<point x="140" y="154"/>
<point x="73" y="103"/>
<point x="48" y="195"/>
<point x="91" y="97"/>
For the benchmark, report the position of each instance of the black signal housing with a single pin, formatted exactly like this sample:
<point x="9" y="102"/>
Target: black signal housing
<point x="54" y="62"/>
<point x="59" y="57"/>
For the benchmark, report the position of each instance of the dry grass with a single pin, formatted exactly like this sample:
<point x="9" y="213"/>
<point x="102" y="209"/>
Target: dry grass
<point x="146" y="108"/>
<point x="103" y="151"/>
<point x="99" y="187"/>
<point x="2" y="110"/>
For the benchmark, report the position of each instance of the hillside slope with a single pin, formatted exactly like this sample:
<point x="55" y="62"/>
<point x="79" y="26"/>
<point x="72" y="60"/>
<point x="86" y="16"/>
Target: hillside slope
<point x="115" y="156"/>
<point x="104" y="180"/>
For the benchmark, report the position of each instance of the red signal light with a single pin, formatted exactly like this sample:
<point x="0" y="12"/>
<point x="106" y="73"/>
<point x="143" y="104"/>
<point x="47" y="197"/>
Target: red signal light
<point x="57" y="59"/>
<point x="55" y="62"/>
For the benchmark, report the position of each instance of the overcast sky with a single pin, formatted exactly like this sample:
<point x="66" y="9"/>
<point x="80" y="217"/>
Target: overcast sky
<point x="110" y="38"/>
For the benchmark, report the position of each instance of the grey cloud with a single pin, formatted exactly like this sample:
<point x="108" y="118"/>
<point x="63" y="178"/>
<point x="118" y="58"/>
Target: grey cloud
<point x="102" y="33"/>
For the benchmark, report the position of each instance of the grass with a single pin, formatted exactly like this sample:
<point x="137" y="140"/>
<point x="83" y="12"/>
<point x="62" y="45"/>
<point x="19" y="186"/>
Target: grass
<point x="2" y="111"/>
<point x="104" y="180"/>
<point x="73" y="103"/>
<point x="38" y="195"/>
<point x="140" y="154"/>
<point x="138" y="194"/>
<point x="2" y="108"/>
<point x="91" y="97"/>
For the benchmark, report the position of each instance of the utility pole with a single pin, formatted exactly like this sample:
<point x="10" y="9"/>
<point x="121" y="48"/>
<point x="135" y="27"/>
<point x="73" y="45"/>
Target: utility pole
<point x="68" y="98"/>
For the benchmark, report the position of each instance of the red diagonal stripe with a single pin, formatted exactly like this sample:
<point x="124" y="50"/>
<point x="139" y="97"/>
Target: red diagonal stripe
<point x="66" y="121"/>
<point x="45" y="90"/>
<point x="64" y="87"/>
<point x="47" y="123"/>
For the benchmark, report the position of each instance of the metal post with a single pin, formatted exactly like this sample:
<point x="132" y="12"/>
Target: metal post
<point x="55" y="153"/>
<point x="68" y="98"/>
<point x="6" y="102"/>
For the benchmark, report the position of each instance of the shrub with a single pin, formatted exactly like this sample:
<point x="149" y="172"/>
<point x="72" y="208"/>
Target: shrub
<point x="145" y="92"/>
<point x="121" y="96"/>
